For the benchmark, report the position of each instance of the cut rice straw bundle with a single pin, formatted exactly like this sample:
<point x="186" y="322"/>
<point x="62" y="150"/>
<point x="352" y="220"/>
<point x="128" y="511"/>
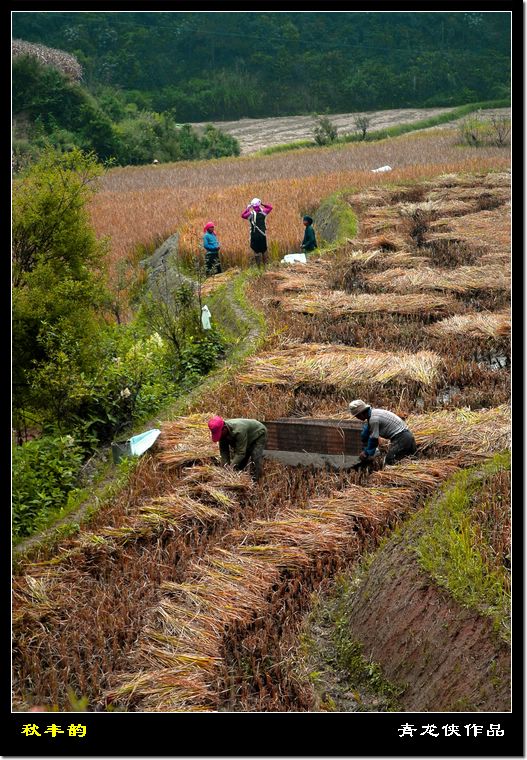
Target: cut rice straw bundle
<point x="215" y="282"/>
<point x="295" y="279"/>
<point x="460" y="280"/>
<point x="337" y="303"/>
<point x="217" y="495"/>
<point x="278" y="555"/>
<point x="180" y="508"/>
<point x="165" y="689"/>
<point x="185" y="440"/>
<point x="482" y="324"/>
<point x="307" y="531"/>
<point x="343" y="367"/>
<point x="480" y="432"/>
<point x="374" y="504"/>
<point x="423" y="475"/>
<point x="221" y="477"/>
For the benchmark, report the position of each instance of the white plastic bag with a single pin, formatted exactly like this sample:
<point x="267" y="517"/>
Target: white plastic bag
<point x="291" y="258"/>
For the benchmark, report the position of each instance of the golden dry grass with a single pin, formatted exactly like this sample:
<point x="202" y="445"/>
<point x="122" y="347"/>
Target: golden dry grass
<point x="339" y="366"/>
<point x="142" y="205"/>
<point x="336" y="303"/>
<point x="215" y="282"/>
<point x="484" y="431"/>
<point x="459" y="280"/>
<point x="479" y="324"/>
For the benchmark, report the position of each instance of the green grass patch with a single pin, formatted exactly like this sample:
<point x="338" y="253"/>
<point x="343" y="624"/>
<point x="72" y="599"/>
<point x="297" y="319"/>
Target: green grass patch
<point x="342" y="655"/>
<point x="450" y="548"/>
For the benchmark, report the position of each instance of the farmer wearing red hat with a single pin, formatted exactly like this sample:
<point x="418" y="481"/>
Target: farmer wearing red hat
<point x="240" y="441"/>
<point x="212" y="250"/>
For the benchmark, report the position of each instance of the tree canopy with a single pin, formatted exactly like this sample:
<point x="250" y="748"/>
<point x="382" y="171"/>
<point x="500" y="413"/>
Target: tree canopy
<point x="215" y="65"/>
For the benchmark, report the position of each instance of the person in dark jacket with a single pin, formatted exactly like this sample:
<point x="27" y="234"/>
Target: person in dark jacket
<point x="211" y="245"/>
<point x="309" y="243"/>
<point x="240" y="441"/>
<point x="256" y="212"/>
<point x="382" y="423"/>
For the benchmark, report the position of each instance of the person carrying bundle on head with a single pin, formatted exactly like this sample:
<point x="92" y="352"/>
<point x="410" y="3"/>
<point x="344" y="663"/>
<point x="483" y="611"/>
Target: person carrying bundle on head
<point x="211" y="245"/>
<point x="309" y="243"/>
<point x="241" y="441"/>
<point x="380" y="423"/>
<point x="256" y="213"/>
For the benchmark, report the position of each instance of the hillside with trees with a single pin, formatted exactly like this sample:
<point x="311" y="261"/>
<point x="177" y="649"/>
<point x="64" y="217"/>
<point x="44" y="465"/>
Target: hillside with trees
<point x="204" y="66"/>
<point x="52" y="107"/>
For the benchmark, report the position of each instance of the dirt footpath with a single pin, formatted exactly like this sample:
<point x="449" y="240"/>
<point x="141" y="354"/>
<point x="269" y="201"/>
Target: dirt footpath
<point x="256" y="134"/>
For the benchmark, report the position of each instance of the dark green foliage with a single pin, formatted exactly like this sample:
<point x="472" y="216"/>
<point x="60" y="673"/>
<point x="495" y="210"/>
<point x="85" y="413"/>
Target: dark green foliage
<point x="325" y="131"/>
<point x="56" y="271"/>
<point x="44" y="471"/>
<point x="211" y="65"/>
<point x="199" y="355"/>
<point x="54" y="104"/>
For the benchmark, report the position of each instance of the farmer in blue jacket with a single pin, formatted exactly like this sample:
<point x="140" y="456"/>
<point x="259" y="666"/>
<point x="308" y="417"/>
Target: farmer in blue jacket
<point x="212" y="250"/>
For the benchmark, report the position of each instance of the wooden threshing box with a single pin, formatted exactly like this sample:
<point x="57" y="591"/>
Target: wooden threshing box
<point x="318" y="442"/>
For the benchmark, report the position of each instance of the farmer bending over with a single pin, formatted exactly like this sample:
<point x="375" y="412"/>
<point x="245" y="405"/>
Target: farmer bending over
<point x="240" y="440"/>
<point x="380" y="423"/>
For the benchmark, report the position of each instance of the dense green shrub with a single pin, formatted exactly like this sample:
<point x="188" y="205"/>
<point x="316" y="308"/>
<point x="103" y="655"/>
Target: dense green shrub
<point x="199" y="355"/>
<point x="44" y="472"/>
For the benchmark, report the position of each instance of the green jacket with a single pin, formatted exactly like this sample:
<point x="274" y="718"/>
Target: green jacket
<point x="242" y="435"/>
<point x="309" y="243"/>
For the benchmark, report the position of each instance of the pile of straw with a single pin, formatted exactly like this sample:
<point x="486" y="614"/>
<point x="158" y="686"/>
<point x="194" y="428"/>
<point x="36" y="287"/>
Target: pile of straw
<point x="219" y="477"/>
<point x="339" y="366"/>
<point x="424" y="475"/>
<point x="337" y="303"/>
<point x="215" y="282"/>
<point x="480" y="432"/>
<point x="232" y="587"/>
<point x="460" y="280"/>
<point x="186" y="440"/>
<point x="480" y="324"/>
<point x="298" y="277"/>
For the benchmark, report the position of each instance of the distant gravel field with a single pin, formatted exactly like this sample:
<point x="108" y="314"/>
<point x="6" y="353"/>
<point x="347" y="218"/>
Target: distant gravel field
<point x="256" y="134"/>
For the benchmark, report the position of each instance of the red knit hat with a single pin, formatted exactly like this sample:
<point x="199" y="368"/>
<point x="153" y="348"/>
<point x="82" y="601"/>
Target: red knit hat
<point x="208" y="226"/>
<point x="216" y="427"/>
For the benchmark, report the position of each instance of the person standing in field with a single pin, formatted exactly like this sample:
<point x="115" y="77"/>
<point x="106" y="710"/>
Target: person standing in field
<point x="211" y="245"/>
<point x="256" y="213"/>
<point x="309" y="243"/>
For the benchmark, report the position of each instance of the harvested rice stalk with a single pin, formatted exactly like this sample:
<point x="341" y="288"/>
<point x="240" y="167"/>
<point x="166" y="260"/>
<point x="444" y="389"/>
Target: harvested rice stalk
<point x="217" y="495"/>
<point x="180" y="508"/>
<point x="222" y="477"/>
<point x="481" y="432"/>
<point x="292" y="279"/>
<point x="483" y="324"/>
<point x="341" y="367"/>
<point x="185" y="440"/>
<point x="460" y="279"/>
<point x="372" y="503"/>
<point x="337" y="303"/>
<point x="277" y="555"/>
<point x="424" y="474"/>
<point x="307" y="531"/>
<point x="213" y="283"/>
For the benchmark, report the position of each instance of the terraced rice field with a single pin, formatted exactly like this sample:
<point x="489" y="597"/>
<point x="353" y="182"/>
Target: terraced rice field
<point x="188" y="592"/>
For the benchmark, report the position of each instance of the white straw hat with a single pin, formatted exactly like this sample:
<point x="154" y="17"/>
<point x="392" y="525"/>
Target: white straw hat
<point x="256" y="202"/>
<point x="358" y="406"/>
